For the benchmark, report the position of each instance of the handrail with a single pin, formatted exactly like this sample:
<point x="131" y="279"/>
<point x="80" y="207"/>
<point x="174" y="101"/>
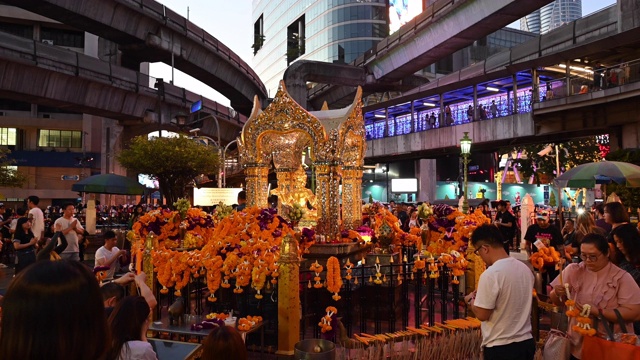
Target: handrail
<point x="18" y="49"/>
<point x="180" y="24"/>
<point x="401" y="124"/>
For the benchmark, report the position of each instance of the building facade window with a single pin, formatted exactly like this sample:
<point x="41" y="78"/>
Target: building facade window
<point x="258" y="35"/>
<point x="60" y="139"/>
<point x="22" y="30"/>
<point x="62" y="37"/>
<point x="8" y="136"/>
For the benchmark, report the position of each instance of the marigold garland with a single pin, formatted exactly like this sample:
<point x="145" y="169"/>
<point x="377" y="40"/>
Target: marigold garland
<point x="245" y="324"/>
<point x="349" y="267"/>
<point x="259" y="276"/>
<point x="325" y="321"/>
<point x="377" y="280"/>
<point x="584" y="326"/>
<point x="546" y="255"/>
<point x="317" y="269"/>
<point x="334" y="279"/>
<point x="434" y="270"/>
<point x="214" y="275"/>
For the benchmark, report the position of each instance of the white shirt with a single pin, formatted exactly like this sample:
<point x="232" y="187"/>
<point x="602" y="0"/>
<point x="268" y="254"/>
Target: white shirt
<point x="137" y="350"/>
<point x="72" y="237"/>
<point x="37" y="222"/>
<point x="103" y="255"/>
<point x="506" y="287"/>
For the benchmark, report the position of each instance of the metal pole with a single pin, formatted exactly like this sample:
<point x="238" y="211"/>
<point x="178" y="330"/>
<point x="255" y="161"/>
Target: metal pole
<point x="465" y="202"/>
<point x="224" y="163"/>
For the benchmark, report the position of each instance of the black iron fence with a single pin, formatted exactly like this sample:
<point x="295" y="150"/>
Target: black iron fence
<point x="402" y="298"/>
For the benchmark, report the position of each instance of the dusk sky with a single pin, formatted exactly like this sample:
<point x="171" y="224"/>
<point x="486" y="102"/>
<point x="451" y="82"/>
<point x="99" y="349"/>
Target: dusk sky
<point x="231" y="22"/>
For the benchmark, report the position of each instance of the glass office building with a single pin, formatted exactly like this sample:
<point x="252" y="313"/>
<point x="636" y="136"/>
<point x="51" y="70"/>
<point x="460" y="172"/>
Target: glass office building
<point x="551" y="16"/>
<point x="335" y="31"/>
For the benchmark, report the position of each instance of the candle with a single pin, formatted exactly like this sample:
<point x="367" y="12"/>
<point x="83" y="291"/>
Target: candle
<point x="139" y="260"/>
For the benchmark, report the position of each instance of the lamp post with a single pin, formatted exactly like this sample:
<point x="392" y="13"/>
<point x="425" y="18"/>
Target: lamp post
<point x="224" y="163"/>
<point x="465" y="147"/>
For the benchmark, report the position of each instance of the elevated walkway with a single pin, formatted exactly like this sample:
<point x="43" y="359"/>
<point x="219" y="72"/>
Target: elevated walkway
<point x="552" y="96"/>
<point x="53" y="76"/>
<point x="148" y="31"/>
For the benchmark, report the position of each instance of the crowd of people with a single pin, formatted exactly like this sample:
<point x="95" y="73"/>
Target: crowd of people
<point x="58" y="310"/>
<point x="603" y="252"/>
<point x="56" y="307"/>
<point x="601" y="247"/>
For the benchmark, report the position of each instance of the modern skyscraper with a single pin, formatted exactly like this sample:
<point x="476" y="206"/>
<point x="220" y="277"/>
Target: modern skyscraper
<point x="531" y="22"/>
<point x="324" y="30"/>
<point x="551" y="16"/>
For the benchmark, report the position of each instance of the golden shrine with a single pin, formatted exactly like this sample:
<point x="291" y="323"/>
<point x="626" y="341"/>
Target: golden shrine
<point x="276" y="136"/>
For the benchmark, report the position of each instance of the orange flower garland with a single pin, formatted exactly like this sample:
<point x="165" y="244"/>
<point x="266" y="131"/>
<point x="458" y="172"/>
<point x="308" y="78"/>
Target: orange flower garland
<point x="214" y="275"/>
<point x="243" y="275"/>
<point x="461" y="232"/>
<point x="434" y="270"/>
<point x="584" y="326"/>
<point x="229" y="267"/>
<point x="259" y="276"/>
<point x="325" y="322"/>
<point x="162" y="265"/>
<point x="349" y="267"/>
<point x="377" y="280"/>
<point x="334" y="280"/>
<point x="218" y="316"/>
<point x="546" y="255"/>
<point x="245" y="324"/>
<point x="170" y="223"/>
<point x="317" y="269"/>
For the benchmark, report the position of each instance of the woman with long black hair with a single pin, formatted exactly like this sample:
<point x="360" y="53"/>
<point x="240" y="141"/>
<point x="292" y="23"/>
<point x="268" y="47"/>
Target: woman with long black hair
<point x="25" y="244"/>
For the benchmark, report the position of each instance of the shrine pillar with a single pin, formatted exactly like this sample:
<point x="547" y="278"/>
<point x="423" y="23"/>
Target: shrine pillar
<point x="257" y="184"/>
<point x="328" y="195"/>
<point x="289" y="308"/>
<point x="351" y="197"/>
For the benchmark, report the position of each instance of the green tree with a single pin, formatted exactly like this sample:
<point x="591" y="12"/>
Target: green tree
<point x="571" y="153"/>
<point x="173" y="161"/>
<point x="552" y="199"/>
<point x="630" y="196"/>
<point x="9" y="177"/>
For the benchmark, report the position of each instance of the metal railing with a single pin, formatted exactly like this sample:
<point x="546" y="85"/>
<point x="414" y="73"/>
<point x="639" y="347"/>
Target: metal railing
<point x="501" y="105"/>
<point x="591" y="80"/>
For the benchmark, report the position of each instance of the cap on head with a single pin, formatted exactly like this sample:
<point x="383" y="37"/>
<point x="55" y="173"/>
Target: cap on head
<point x="542" y="215"/>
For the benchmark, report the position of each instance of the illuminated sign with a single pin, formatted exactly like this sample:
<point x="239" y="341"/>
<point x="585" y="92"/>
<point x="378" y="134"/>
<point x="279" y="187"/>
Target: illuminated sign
<point x="212" y="196"/>
<point x="404" y="185"/>
<point x="196" y="106"/>
<point x="401" y="12"/>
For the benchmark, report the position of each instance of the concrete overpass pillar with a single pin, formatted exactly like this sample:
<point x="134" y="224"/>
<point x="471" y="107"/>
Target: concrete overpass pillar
<point x="629" y="136"/>
<point x="628" y="14"/>
<point x="426" y="175"/>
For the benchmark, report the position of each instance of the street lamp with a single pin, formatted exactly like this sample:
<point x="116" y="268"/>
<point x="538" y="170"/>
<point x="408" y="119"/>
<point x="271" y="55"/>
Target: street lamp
<point x="180" y="119"/>
<point x="465" y="147"/>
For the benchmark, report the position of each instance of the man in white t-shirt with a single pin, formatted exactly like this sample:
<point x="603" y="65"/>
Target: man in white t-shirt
<point x="108" y="254"/>
<point x="36" y="216"/>
<point x="503" y="299"/>
<point x="71" y="228"/>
